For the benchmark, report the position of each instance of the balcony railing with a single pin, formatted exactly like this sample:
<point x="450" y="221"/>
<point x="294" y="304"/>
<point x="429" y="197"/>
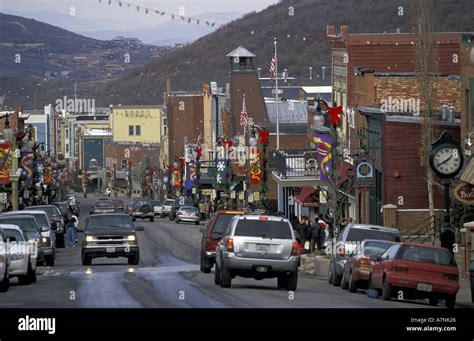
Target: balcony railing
<point x="296" y="163"/>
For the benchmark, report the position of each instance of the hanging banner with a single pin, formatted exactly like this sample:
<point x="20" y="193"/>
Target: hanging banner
<point x="323" y="145"/>
<point x="190" y="175"/>
<point x="5" y="157"/>
<point x="48" y="174"/>
<point x="221" y="165"/>
<point x="256" y="174"/>
<point x="177" y="180"/>
<point x="27" y="164"/>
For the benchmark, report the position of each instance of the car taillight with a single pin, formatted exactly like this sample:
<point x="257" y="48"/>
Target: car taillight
<point x="229" y="243"/>
<point x="341" y="250"/>
<point x="399" y="268"/>
<point x="364" y="261"/>
<point x="451" y="277"/>
<point x="295" y="249"/>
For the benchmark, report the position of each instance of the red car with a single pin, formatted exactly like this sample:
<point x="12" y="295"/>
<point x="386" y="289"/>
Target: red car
<point x="418" y="270"/>
<point x="212" y="234"/>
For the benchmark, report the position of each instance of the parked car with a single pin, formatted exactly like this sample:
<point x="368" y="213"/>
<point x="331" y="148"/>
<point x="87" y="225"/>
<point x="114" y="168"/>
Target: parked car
<point x="258" y="247"/>
<point x="48" y="241"/>
<point x="63" y="206"/>
<point x="419" y="271"/>
<point x="143" y="209"/>
<point x="30" y="226"/>
<point x="103" y="206"/>
<point x="157" y="207"/>
<point x="212" y="234"/>
<point x="111" y="236"/>
<point x="57" y="221"/>
<point x="357" y="268"/>
<point x="351" y="237"/>
<point x="119" y="205"/>
<point x="73" y="203"/>
<point x="22" y="255"/>
<point x="188" y="213"/>
<point x="177" y="205"/>
<point x="167" y="204"/>
<point x="4" y="261"/>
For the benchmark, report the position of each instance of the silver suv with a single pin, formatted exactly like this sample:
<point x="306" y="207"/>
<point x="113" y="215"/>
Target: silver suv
<point x="258" y="247"/>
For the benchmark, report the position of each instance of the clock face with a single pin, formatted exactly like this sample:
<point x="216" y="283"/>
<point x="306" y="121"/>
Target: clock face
<point x="447" y="160"/>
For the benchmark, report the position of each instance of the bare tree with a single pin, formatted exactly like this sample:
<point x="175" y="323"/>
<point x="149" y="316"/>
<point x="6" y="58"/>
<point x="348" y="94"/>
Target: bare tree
<point x="426" y="67"/>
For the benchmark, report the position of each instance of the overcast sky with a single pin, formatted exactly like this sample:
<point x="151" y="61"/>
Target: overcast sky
<point x="93" y="9"/>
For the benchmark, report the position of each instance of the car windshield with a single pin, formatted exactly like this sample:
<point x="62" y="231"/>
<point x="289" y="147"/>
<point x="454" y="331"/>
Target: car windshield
<point x="139" y="203"/>
<point x="11" y="233"/>
<point x="222" y="221"/>
<point x="41" y="219"/>
<point x="50" y="211"/>
<point x="358" y="235"/>
<point x="376" y="248"/>
<point x="26" y="224"/>
<point x="108" y="222"/>
<point x="426" y="255"/>
<point x="263" y="228"/>
<point x="63" y="208"/>
<point x="168" y="202"/>
<point x="104" y="204"/>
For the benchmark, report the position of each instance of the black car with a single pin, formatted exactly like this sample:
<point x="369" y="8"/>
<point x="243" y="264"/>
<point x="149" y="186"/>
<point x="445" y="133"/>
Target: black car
<point x="110" y="235"/>
<point x="143" y="209"/>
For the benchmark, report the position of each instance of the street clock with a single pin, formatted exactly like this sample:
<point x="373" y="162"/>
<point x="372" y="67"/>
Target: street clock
<point x="446" y="158"/>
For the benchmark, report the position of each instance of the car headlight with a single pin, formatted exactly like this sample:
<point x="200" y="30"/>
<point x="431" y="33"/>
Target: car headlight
<point x="44" y="240"/>
<point x="131" y="238"/>
<point x="89" y="238"/>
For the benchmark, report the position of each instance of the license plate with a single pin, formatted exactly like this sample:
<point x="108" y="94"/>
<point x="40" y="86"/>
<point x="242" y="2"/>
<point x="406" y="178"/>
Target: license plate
<point x="262" y="269"/>
<point x="110" y="250"/>
<point x="263" y="248"/>
<point x="424" y="287"/>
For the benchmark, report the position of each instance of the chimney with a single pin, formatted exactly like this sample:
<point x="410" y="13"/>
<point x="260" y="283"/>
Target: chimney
<point x="444" y="113"/>
<point x="345" y="33"/>
<point x="451" y="114"/>
<point x="330" y="31"/>
<point x="398" y="30"/>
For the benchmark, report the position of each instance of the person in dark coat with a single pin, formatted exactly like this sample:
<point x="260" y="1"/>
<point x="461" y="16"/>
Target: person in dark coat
<point x="301" y="229"/>
<point x="315" y="236"/>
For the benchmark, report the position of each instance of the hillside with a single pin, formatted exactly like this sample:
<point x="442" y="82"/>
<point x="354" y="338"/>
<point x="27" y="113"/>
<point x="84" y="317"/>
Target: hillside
<point x="205" y="60"/>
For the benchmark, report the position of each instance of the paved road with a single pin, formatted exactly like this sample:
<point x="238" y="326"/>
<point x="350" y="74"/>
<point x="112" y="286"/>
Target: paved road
<point x="168" y="276"/>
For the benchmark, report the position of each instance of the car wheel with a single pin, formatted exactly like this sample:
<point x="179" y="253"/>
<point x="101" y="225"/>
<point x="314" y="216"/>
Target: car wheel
<point x="86" y="260"/>
<point x="60" y="240"/>
<point x="133" y="260"/>
<point x="196" y="222"/>
<point x="162" y="216"/>
<point x="177" y="221"/>
<point x="330" y="275"/>
<point x="226" y="277"/>
<point x="352" y="284"/>
<point x="49" y="260"/>
<point x="386" y="291"/>
<point x="217" y="275"/>
<point x="450" y="301"/>
<point x="30" y="276"/>
<point x="336" y="280"/>
<point x="434" y="301"/>
<point x="282" y="282"/>
<point x="5" y="283"/>
<point x="152" y="219"/>
<point x="204" y="266"/>
<point x="344" y="282"/>
<point x="134" y="219"/>
<point x="292" y="281"/>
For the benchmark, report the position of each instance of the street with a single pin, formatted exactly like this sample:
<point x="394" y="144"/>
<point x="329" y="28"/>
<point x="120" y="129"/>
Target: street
<point x="168" y="276"/>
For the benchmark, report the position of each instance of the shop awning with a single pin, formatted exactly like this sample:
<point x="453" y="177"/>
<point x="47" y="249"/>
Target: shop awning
<point x="308" y="197"/>
<point x="468" y="174"/>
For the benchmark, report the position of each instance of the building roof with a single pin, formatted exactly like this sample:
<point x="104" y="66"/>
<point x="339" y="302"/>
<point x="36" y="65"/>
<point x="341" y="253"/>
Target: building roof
<point x="289" y="112"/>
<point x="241" y="52"/>
<point x="317" y="89"/>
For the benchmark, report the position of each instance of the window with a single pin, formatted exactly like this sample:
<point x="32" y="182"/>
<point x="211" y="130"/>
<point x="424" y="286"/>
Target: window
<point x="124" y="164"/>
<point x="67" y="148"/>
<point x="66" y="131"/>
<point x="130" y="131"/>
<point x="138" y="130"/>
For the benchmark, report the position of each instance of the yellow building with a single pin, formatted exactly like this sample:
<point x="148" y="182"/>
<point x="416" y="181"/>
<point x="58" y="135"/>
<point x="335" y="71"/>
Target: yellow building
<point x="139" y="124"/>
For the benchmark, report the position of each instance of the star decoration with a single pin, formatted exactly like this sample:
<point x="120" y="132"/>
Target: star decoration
<point x="220" y="166"/>
<point x="335" y="116"/>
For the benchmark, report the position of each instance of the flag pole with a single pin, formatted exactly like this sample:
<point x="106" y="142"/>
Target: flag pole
<point x="276" y="98"/>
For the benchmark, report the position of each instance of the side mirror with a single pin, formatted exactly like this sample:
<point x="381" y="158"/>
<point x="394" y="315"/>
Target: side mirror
<point x="375" y="258"/>
<point x="216" y="235"/>
<point x="139" y="228"/>
<point x="44" y="228"/>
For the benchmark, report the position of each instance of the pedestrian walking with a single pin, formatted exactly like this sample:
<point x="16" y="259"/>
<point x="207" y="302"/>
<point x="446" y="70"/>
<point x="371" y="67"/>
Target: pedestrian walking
<point x="301" y="229"/>
<point x="308" y="230"/>
<point x="71" y="226"/>
<point x="315" y="236"/>
<point x="324" y="230"/>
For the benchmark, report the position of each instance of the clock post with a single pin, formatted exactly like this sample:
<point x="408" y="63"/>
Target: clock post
<point x="446" y="160"/>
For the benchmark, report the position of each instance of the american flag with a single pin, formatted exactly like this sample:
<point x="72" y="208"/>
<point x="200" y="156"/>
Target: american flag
<point x="244" y="116"/>
<point x="273" y="64"/>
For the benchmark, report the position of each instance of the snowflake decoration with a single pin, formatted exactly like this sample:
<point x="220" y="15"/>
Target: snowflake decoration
<point x="220" y="166"/>
<point x="40" y="168"/>
<point x="219" y="179"/>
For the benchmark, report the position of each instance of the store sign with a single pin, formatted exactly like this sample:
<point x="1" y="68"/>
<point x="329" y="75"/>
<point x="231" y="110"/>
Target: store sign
<point x="464" y="193"/>
<point x="365" y="173"/>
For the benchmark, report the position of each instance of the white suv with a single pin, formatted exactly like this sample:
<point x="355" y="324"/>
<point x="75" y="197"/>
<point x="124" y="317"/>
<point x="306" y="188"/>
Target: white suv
<point x="258" y="247"/>
<point x="4" y="262"/>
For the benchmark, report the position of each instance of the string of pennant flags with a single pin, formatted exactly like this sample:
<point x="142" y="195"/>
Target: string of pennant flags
<point x="296" y="37"/>
<point x="161" y="13"/>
